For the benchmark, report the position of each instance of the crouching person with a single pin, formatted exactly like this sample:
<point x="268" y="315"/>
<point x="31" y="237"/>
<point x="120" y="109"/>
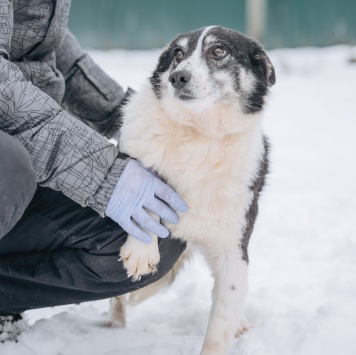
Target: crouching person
<point x="68" y="197"/>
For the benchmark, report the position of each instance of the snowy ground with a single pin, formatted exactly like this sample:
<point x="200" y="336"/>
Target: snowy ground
<point x="303" y="251"/>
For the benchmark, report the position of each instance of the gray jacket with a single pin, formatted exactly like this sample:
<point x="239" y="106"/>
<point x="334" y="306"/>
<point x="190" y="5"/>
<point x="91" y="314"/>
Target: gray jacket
<point x="44" y="74"/>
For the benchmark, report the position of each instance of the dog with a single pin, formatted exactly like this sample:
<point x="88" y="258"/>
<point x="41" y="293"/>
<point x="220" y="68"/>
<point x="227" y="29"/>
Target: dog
<point x="197" y="123"/>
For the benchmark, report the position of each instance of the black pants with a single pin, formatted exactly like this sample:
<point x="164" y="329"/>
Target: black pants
<point x="52" y="250"/>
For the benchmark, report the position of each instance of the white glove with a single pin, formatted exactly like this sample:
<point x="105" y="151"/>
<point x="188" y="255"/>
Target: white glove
<point x="138" y="189"/>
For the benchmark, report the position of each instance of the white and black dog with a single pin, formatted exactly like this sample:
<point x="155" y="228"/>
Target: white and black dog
<point x="197" y="123"/>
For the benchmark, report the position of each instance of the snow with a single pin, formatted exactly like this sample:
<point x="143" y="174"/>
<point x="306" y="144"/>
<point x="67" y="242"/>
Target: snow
<point x="303" y="251"/>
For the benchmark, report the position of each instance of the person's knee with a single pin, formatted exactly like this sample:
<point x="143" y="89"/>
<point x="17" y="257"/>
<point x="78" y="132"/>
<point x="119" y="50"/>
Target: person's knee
<point x="110" y="277"/>
<point x="17" y="181"/>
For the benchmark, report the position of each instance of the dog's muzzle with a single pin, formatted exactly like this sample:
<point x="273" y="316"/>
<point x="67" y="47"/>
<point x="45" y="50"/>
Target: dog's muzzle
<point x="179" y="80"/>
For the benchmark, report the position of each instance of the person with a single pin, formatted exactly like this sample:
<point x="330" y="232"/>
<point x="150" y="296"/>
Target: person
<point x="68" y="197"/>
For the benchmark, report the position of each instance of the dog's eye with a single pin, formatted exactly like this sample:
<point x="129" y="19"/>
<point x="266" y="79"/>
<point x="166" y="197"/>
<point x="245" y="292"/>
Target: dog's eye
<point x="219" y="52"/>
<point x="179" y="56"/>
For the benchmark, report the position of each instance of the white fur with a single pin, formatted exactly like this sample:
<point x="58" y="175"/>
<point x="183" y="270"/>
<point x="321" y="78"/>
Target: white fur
<point x="248" y="81"/>
<point x="183" y="43"/>
<point x="210" y="39"/>
<point x="209" y="153"/>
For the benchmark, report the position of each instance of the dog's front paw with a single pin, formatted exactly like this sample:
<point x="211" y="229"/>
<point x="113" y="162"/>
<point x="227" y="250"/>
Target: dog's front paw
<point x="139" y="258"/>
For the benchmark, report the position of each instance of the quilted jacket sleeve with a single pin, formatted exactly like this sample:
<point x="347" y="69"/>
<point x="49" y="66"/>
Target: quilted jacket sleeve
<point x="90" y="95"/>
<point x="67" y="155"/>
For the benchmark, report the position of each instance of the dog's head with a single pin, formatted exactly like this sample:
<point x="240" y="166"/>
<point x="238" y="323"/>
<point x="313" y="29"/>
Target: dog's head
<point x="212" y="68"/>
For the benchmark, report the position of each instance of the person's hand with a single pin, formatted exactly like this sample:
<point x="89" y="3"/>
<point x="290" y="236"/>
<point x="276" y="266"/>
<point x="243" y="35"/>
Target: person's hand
<point x="139" y="190"/>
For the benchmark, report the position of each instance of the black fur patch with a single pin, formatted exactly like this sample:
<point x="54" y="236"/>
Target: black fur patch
<point x="119" y="114"/>
<point x="264" y="72"/>
<point x="163" y="64"/>
<point x="256" y="188"/>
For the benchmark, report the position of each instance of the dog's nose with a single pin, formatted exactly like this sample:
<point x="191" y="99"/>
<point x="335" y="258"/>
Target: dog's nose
<point x="180" y="78"/>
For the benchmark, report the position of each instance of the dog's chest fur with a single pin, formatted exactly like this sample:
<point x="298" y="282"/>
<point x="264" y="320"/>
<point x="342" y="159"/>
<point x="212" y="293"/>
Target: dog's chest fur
<point x="212" y="175"/>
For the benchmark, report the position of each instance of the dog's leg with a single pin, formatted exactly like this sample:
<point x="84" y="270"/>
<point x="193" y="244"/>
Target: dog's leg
<point x="148" y="291"/>
<point x="138" y="259"/>
<point x="118" y="304"/>
<point x="226" y="317"/>
<point x="117" y="312"/>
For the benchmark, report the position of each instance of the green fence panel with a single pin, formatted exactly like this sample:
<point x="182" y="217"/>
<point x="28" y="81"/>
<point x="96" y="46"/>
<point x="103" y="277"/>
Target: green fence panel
<point x="310" y="23"/>
<point x="142" y="24"/>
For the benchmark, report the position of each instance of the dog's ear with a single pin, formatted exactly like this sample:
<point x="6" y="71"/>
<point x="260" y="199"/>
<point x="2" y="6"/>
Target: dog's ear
<point x="263" y="65"/>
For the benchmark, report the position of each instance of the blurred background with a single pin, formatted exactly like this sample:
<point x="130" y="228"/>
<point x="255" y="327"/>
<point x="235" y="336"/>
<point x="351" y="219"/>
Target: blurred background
<point x="139" y="24"/>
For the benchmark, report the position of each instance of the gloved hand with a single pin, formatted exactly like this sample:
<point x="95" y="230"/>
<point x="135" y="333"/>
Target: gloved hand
<point x="138" y="189"/>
